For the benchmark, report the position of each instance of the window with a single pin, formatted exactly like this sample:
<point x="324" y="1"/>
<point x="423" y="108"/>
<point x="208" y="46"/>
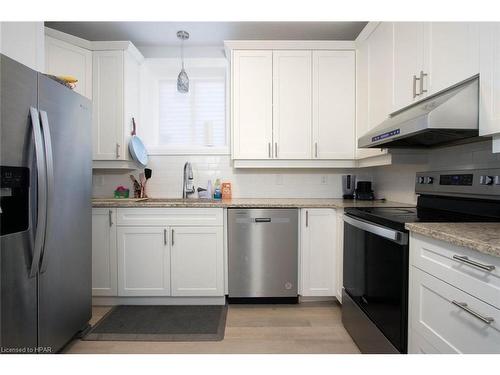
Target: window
<point x="192" y="120"/>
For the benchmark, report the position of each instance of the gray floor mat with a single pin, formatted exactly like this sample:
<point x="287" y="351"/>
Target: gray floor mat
<point x="161" y="323"/>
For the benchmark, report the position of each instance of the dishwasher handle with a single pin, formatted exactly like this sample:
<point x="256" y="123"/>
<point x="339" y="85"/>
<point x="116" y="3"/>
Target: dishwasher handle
<point x="262" y="219"/>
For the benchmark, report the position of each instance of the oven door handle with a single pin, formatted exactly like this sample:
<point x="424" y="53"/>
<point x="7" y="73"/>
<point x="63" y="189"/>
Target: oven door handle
<point x="391" y="234"/>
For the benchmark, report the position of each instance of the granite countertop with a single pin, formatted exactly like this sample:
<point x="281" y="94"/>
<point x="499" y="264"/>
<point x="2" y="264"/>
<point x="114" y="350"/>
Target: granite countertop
<point x="247" y="203"/>
<point x="483" y="237"/>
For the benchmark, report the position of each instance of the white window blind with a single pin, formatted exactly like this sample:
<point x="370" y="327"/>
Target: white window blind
<point x="194" y="119"/>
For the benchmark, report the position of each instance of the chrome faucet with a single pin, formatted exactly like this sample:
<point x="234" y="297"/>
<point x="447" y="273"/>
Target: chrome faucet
<point x="187" y="182"/>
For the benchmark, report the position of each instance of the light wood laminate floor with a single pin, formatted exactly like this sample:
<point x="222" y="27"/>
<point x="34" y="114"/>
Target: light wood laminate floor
<point x="310" y="327"/>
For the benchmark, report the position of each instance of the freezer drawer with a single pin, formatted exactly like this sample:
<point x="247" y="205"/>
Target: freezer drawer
<point x="263" y="252"/>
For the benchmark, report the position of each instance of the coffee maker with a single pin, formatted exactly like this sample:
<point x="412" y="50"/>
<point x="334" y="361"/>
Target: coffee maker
<point x="348" y="186"/>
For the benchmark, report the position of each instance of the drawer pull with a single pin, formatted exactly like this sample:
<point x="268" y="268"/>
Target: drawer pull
<point x="466" y="260"/>
<point x="465" y="307"/>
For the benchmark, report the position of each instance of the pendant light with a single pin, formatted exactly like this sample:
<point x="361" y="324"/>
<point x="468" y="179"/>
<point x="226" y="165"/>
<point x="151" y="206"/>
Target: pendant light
<point x="182" y="78"/>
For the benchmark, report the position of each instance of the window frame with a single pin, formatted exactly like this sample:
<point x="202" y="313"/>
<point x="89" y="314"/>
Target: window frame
<point x="165" y="150"/>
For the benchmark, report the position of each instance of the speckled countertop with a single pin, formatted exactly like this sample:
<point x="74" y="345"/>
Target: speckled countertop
<point x="247" y="203"/>
<point x="483" y="237"/>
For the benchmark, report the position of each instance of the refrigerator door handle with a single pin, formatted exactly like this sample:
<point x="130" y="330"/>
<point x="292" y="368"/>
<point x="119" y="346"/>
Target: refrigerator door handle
<point x="49" y="162"/>
<point x="42" y="193"/>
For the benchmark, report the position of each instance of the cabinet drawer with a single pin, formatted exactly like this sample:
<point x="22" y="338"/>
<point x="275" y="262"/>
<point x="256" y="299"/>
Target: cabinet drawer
<point x="418" y="345"/>
<point x="437" y="258"/>
<point x="170" y="216"/>
<point x="436" y="315"/>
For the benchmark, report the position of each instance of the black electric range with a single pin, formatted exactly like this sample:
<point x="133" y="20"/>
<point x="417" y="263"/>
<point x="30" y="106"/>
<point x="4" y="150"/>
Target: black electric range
<point x="376" y="251"/>
<point x="431" y="209"/>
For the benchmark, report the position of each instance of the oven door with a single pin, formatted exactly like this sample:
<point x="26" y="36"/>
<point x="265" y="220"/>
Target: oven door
<point x="376" y="276"/>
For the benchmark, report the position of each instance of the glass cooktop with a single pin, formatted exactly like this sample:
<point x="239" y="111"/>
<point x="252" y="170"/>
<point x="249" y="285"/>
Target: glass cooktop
<point x="396" y="217"/>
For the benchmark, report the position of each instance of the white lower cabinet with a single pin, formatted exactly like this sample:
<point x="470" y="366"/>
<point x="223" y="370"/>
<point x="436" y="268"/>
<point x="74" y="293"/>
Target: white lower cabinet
<point x="143" y="261"/>
<point x="157" y="252"/>
<point x="453" y="304"/>
<point x="197" y="267"/>
<point x="104" y="262"/>
<point x="318" y="252"/>
<point x="451" y="320"/>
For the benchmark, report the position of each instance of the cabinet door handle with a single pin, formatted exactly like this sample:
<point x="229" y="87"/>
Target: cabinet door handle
<point x="165" y="236"/>
<point x="315" y="149"/>
<point x="465" y="307"/>
<point x="110" y="217"/>
<point x="117" y="150"/>
<point x="307" y="218"/>
<point x="466" y="260"/>
<point x="173" y="242"/>
<point x="269" y="151"/>
<point x="421" y="79"/>
<point x="415" y="79"/>
<point x="275" y="149"/>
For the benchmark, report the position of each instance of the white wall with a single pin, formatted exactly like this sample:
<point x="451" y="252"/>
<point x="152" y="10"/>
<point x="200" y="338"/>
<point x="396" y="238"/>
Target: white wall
<point x="397" y="183"/>
<point x="24" y="42"/>
<point x="246" y="183"/>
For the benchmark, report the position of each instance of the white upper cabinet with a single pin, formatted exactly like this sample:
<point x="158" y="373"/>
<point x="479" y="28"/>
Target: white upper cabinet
<point x="333" y="104"/>
<point x="252" y="102"/>
<point x="108" y="129"/>
<point x="489" y="115"/>
<point x="292" y="104"/>
<point x="374" y="76"/>
<point x="429" y="57"/>
<point x="408" y="62"/>
<point x="451" y="54"/>
<point x="291" y="107"/>
<point x="380" y="74"/>
<point x="63" y="58"/>
<point x="361" y="94"/>
<point x="115" y="102"/>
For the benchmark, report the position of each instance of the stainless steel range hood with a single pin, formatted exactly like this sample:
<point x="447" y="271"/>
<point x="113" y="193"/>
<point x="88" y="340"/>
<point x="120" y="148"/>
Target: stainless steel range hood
<point x="447" y="116"/>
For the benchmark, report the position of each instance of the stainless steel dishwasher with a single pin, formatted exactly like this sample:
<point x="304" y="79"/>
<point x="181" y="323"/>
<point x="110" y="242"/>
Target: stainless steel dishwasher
<point x="263" y="255"/>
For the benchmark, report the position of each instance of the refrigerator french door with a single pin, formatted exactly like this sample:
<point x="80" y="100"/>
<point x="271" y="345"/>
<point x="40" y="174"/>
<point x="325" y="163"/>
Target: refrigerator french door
<point x="45" y="215"/>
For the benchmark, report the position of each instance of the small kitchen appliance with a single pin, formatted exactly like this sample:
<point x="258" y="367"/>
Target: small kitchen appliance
<point x="364" y="191"/>
<point x="348" y="186"/>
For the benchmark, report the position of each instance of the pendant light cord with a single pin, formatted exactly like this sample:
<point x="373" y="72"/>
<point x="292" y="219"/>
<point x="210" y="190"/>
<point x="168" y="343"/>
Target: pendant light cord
<point x="182" y="53"/>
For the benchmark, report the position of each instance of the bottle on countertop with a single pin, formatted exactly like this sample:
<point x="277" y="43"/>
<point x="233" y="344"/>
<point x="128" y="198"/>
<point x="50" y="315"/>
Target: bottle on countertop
<point x="209" y="189"/>
<point x="217" y="189"/>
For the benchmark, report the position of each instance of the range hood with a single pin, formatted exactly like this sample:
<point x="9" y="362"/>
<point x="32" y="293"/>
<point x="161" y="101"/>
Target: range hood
<point x="448" y="116"/>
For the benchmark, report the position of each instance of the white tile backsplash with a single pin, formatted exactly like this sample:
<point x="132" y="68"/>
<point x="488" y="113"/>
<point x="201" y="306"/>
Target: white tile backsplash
<point x="246" y="183"/>
<point x="397" y="182"/>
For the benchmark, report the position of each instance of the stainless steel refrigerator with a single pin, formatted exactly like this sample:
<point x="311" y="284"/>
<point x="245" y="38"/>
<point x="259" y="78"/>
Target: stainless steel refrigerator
<point x="45" y="211"/>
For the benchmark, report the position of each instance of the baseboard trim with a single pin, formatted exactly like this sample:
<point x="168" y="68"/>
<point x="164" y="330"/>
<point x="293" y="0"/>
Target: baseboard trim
<point x="305" y="299"/>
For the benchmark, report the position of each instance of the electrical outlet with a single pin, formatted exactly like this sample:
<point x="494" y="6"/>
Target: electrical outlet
<point x="98" y="180"/>
<point x="279" y="179"/>
<point x="324" y="180"/>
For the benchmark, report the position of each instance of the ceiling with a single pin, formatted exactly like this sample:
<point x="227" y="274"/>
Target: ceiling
<point x="208" y="33"/>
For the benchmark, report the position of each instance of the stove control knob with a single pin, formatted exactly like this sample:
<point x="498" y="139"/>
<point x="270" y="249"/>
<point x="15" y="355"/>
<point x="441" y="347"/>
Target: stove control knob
<point x="497" y="180"/>
<point x="428" y="180"/>
<point x="421" y="180"/>
<point x="486" y="180"/>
